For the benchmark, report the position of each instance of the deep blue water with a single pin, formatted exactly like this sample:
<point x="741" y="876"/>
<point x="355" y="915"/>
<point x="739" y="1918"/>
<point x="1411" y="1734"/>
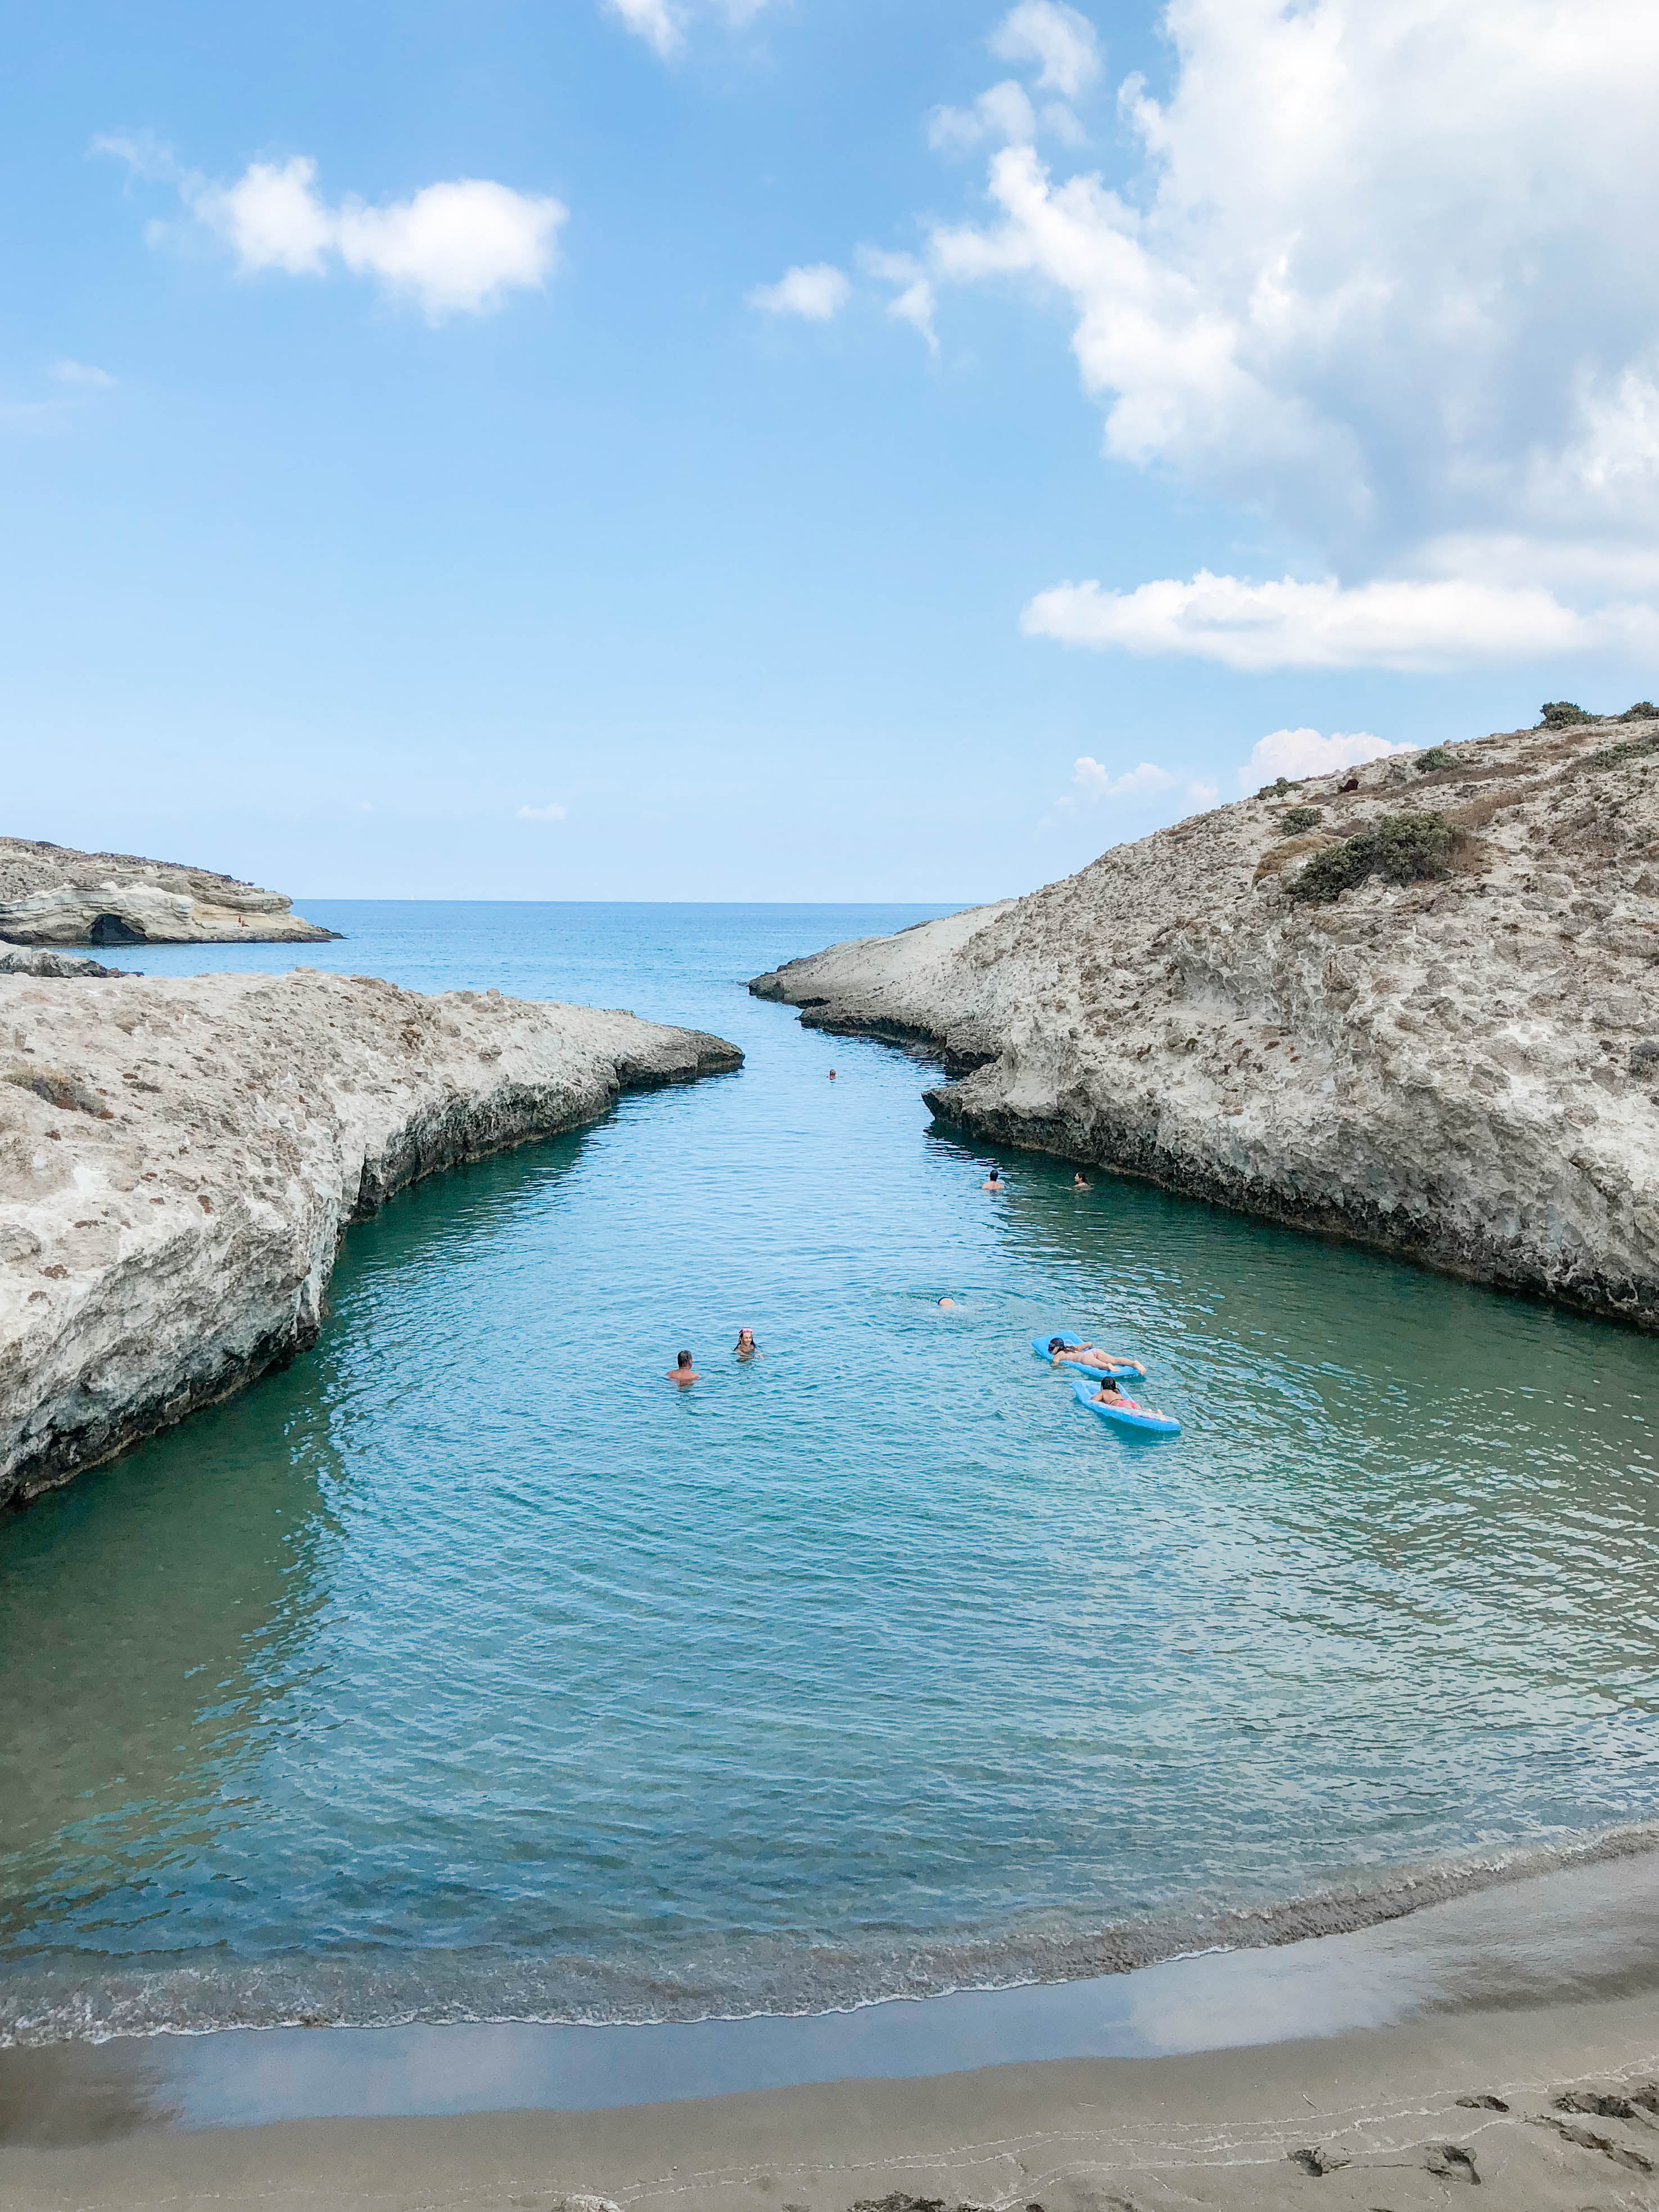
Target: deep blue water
<point x="465" y="1668"/>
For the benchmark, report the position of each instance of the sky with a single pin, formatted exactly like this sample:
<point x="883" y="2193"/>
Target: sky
<point x="802" y="449"/>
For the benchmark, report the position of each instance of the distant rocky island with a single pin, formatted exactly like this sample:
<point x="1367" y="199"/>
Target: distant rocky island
<point x="1416" y="1003"/>
<point x="53" y="895"/>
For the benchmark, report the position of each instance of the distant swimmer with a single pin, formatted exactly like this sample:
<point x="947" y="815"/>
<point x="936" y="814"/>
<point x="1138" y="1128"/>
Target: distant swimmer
<point x="1078" y="1183"/>
<point x="945" y="1305"/>
<point x="1062" y="1354"/>
<point x="993" y="1182"/>
<point x="745" y="1347"/>
<point x="832" y="1075"/>
<point x="683" y="1371"/>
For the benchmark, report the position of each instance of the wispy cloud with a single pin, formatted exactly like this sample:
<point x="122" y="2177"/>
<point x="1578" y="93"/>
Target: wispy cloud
<point x="551" y="813"/>
<point x="818" y="293"/>
<point x="665" y="24"/>
<point x="1387" y="625"/>
<point x="83" y="376"/>
<point x="458" y="247"/>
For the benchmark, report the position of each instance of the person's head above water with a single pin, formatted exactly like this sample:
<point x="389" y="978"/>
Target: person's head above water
<point x="1056" y="1344"/>
<point x="746" y="1336"/>
<point x="681" y="1359"/>
<point x="993" y="1177"/>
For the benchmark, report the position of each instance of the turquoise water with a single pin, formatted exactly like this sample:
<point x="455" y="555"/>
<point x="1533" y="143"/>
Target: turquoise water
<point x="465" y="1669"/>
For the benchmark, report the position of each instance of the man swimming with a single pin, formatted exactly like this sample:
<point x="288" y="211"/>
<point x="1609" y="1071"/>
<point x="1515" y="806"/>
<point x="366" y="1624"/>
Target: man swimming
<point x="993" y="1182"/>
<point x="1061" y="1354"/>
<point x="683" y="1371"/>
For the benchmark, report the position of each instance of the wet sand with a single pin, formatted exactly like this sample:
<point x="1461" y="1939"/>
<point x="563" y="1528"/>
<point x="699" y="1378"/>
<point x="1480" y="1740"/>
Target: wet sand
<point x="1353" y="2052"/>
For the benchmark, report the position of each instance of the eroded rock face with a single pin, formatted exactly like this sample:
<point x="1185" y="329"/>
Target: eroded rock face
<point x="53" y="894"/>
<point x="1462" y="1069"/>
<point x="178" y="1160"/>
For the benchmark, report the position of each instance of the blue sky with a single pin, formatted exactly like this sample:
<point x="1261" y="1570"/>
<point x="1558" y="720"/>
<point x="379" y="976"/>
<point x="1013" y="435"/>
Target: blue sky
<point x="1148" y="386"/>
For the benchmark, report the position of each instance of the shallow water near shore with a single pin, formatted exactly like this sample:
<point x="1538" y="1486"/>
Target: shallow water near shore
<point x="465" y="1670"/>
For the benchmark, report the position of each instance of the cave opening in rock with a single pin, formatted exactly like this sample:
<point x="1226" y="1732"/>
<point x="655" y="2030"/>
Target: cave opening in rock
<point x="110" y="929"/>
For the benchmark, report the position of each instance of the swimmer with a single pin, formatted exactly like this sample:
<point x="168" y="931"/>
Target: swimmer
<point x="1061" y="1354"/>
<point x="683" y="1371"/>
<point x="945" y="1305"/>
<point x="1078" y="1183"/>
<point x="993" y="1182"/>
<point x="745" y="1347"/>
<point x="1109" y="1394"/>
<point x="832" y="1075"/>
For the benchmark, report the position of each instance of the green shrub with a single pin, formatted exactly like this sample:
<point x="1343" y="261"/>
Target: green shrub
<point x="1405" y="848"/>
<point x="1616" y="756"/>
<point x="1563" y="713"/>
<point x="1279" y="789"/>
<point x="1642" y="711"/>
<point x="1300" y="818"/>
<point x="1436" y="757"/>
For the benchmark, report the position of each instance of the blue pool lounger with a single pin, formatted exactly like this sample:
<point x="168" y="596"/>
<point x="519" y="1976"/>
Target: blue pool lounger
<point x="1126" y="1417"/>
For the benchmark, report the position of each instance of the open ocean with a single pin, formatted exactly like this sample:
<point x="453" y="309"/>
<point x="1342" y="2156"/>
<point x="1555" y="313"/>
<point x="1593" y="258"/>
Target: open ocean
<point x="466" y="1670"/>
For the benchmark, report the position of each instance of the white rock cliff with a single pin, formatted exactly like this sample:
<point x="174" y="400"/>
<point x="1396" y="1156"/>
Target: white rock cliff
<point x="1460" y="1067"/>
<point x="53" y="894"/>
<point x="179" y="1159"/>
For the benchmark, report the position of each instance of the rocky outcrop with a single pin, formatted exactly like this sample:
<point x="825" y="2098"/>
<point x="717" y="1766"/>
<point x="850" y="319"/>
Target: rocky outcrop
<point x="35" y="960"/>
<point x="178" y="1160"/>
<point x="1417" y="1003"/>
<point x="53" y="894"/>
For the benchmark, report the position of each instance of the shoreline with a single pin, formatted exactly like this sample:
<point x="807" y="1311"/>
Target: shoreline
<point x="1215" y="2082"/>
<point x="1585" y="1934"/>
<point x="136" y="1997"/>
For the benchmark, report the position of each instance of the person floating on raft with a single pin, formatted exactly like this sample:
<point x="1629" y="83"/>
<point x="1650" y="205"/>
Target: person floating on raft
<point x="1064" y="1353"/>
<point x="1109" y="1394"/>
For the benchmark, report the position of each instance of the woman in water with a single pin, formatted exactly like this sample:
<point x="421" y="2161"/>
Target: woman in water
<point x="1061" y="1354"/>
<point x="1109" y="1394"/>
<point x="745" y="1347"/>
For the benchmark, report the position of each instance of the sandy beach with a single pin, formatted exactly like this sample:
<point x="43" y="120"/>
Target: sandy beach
<point x="1361" y="2070"/>
<point x="1375" y="2119"/>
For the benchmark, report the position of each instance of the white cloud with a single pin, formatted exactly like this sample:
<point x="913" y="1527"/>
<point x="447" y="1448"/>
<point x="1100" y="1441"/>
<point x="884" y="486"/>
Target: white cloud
<point x="551" y="813"/>
<point x="1003" y="113"/>
<point x="83" y="375"/>
<point x="1406" y="625"/>
<point x="1297" y="753"/>
<point x="458" y="247"/>
<point x="914" y="301"/>
<point x="1381" y="269"/>
<point x="1096" y="781"/>
<point x="1058" y="38"/>
<point x="819" y="293"/>
<point x="664" y="24"/>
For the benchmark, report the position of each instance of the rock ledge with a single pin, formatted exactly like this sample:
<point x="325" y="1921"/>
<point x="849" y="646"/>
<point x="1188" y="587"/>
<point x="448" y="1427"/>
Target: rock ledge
<point x="179" y="1159"/>
<point x="1460" y="1069"/>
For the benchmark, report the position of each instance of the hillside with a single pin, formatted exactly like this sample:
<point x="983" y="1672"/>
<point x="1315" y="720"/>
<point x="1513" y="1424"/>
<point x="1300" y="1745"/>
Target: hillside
<point x="1416" y="1003"/>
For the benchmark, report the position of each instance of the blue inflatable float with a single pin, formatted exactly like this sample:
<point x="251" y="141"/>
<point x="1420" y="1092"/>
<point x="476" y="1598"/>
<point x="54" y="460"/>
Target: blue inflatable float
<point x="1126" y="1416"/>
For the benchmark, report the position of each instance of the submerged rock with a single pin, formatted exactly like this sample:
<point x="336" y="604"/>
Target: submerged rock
<point x="178" y="1160"/>
<point x="1428" y="1017"/>
<point x="53" y="894"/>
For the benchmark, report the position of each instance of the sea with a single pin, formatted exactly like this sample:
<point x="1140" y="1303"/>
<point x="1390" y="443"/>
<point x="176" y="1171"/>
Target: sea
<point x="464" y="1670"/>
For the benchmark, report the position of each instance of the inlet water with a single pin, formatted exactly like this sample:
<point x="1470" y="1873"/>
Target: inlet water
<point x="467" y="1670"/>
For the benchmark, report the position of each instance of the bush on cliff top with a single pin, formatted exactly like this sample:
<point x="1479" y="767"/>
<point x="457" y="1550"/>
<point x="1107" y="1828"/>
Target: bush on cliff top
<point x="1405" y="848"/>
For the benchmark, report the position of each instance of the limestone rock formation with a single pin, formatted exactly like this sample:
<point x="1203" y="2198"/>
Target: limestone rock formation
<point x="1417" y="1003"/>
<point x="53" y="894"/>
<point x="179" y="1158"/>
<point x="35" y="960"/>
